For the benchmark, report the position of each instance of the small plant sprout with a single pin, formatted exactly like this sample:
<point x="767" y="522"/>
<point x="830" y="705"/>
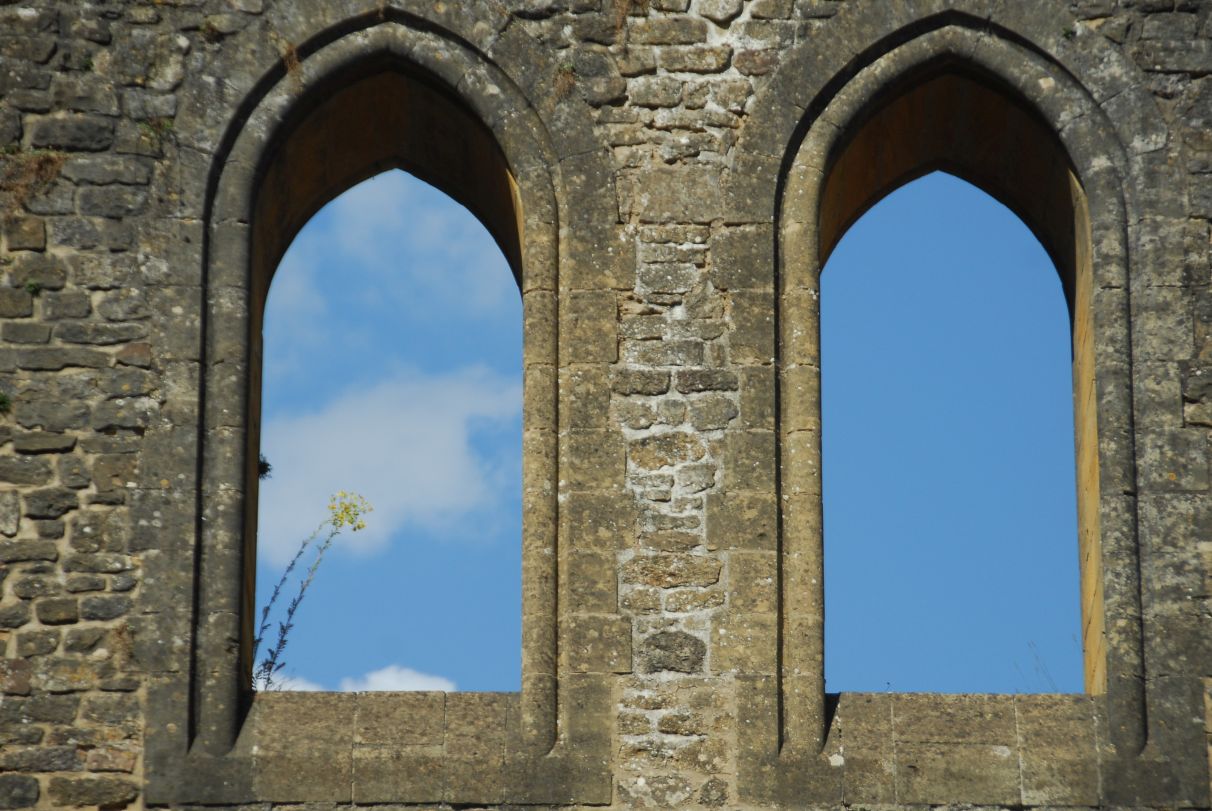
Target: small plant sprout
<point x="33" y="288"/>
<point x="345" y="511"/>
<point x="565" y="79"/>
<point x="6" y="403"/>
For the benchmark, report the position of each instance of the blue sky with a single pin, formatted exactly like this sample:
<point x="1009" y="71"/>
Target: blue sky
<point x="950" y="518"/>
<point x="393" y="368"/>
<point x="393" y="361"/>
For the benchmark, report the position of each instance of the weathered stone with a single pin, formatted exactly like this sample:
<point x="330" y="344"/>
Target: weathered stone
<point x="58" y="611"/>
<point x="102" y="563"/>
<point x="83" y="640"/>
<point x="77" y="583"/>
<point x="712" y="413"/>
<point x="85" y="332"/>
<point x="38" y="271"/>
<point x="25" y="234"/>
<point x="713" y="793"/>
<point x="25" y="333"/>
<point x="695" y="59"/>
<point x="43" y="442"/>
<point x="112" y="201"/>
<point x="18" y="791"/>
<point x="14" y="615"/>
<point x="15" y="303"/>
<point x="67" y="304"/>
<point x="104" y="791"/>
<point x="672" y="650"/>
<point x="669" y="244"/>
<point x="29" y="588"/>
<point x="104" y="607"/>
<point x="52" y="416"/>
<point x="123" y="305"/>
<point x="135" y="354"/>
<point x="24" y="470"/>
<point x="50" y="502"/>
<point x="86" y="133"/>
<point x="756" y="62"/>
<point x="698" y="380"/>
<point x="15" y="677"/>
<point x="668" y="571"/>
<point x="640" y="381"/>
<point x="661" y="450"/>
<point x="24" y="549"/>
<point x="52" y="529"/>
<point x="41" y="642"/>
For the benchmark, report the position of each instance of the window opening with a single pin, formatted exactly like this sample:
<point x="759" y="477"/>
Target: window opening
<point x="950" y="518"/>
<point x="391" y="367"/>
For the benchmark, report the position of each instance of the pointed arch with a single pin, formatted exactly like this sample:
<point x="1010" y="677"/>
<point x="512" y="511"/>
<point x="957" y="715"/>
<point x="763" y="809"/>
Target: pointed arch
<point x="381" y="87"/>
<point x="978" y="89"/>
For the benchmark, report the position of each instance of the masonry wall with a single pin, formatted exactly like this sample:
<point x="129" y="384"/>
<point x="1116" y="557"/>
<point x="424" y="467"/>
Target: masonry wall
<point x="661" y="152"/>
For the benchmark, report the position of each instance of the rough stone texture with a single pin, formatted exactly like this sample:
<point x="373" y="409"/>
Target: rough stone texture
<point x="650" y="143"/>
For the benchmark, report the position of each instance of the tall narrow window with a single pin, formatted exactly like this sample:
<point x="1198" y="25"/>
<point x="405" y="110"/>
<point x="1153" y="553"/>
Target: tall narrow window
<point x="951" y="562"/>
<point x="392" y="367"/>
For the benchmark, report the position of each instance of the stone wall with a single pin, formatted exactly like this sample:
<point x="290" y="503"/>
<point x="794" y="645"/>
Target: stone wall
<point x="670" y="162"/>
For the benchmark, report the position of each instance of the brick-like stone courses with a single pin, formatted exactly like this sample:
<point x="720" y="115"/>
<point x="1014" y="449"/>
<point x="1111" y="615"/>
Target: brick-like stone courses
<point x="100" y="230"/>
<point x="86" y="391"/>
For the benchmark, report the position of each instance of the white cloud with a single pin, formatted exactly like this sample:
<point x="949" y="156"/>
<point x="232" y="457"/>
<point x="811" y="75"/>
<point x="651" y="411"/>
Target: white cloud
<point x="395" y="224"/>
<point x="396" y="677"/>
<point x="405" y="444"/>
<point x="297" y="684"/>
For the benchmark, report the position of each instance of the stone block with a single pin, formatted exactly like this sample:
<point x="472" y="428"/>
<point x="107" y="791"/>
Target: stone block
<point x="594" y="460"/>
<point x="401" y="720"/>
<point x="689" y="194"/>
<point x="741" y="520"/>
<point x="672" y="570"/>
<point x="73" y="132"/>
<point x="753" y="582"/>
<point x="752" y="337"/>
<point x="953" y="772"/>
<point x="19" y="791"/>
<point x="386" y="774"/>
<point x="675" y="651"/>
<point x="961" y="719"/>
<point x="590" y="329"/>
<point x="476" y="724"/>
<point x="25" y="233"/>
<point x="597" y="644"/>
<point x="84" y="791"/>
<point x="750" y="461"/>
<point x="668" y="31"/>
<point x="639" y="381"/>
<point x="1058" y="750"/>
<point x="586" y="393"/>
<point x="592" y="582"/>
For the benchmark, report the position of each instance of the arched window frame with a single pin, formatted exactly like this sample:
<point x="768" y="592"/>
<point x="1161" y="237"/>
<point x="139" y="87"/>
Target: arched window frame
<point x="930" y="748"/>
<point x="210" y="740"/>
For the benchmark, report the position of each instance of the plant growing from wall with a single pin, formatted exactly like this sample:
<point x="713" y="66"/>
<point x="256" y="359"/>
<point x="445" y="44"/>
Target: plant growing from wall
<point x="25" y="173"/>
<point x="345" y="510"/>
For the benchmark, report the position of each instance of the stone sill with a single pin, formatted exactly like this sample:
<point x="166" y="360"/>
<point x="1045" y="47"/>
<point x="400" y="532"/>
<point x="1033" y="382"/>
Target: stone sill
<point x="380" y="747"/>
<point x="941" y="749"/>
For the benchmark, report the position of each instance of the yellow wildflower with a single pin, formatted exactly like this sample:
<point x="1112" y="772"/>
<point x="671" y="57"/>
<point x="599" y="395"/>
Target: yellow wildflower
<point x="346" y="510"/>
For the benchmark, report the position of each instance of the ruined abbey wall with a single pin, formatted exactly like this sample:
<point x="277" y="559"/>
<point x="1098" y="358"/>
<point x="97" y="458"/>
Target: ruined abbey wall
<point x="666" y="177"/>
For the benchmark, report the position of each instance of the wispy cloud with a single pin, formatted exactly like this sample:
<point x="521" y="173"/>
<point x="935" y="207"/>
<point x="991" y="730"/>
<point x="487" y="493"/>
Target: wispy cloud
<point x="406" y="444"/>
<point x="297" y="684"/>
<point x="390" y="678"/>
<point x="395" y="226"/>
<point x="396" y="677"/>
